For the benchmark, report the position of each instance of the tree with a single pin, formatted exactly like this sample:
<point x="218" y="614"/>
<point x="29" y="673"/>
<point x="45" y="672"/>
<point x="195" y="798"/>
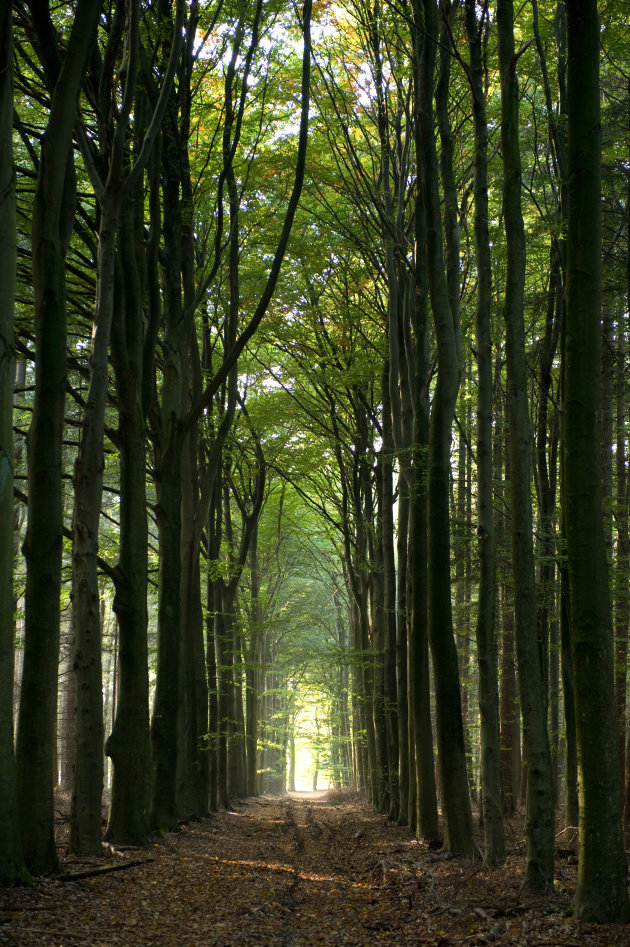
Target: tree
<point x="540" y="825"/>
<point x="53" y="218"/>
<point x="601" y="892"/>
<point x="112" y="190"/>
<point x="491" y="796"/>
<point x="11" y="858"/>
<point x="458" y="827"/>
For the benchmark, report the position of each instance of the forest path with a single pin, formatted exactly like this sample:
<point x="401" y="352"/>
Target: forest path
<point x="308" y="869"/>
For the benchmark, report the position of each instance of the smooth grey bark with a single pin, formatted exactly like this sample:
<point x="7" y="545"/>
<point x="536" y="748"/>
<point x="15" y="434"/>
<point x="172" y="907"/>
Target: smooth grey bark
<point x="540" y="814"/>
<point x="601" y="893"/>
<point x="11" y="856"/>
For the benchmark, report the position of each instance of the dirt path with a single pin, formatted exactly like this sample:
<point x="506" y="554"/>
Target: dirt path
<point x="307" y="869"/>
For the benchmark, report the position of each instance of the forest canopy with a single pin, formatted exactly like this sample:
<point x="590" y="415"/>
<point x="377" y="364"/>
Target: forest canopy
<point x="313" y="447"/>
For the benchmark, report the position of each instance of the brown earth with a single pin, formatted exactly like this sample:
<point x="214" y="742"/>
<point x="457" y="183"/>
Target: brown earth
<point x="312" y="868"/>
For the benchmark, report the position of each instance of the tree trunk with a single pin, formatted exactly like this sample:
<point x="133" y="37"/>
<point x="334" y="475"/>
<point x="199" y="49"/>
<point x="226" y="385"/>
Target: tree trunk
<point x="404" y="508"/>
<point x="53" y="214"/>
<point x="546" y="449"/>
<point x="193" y="779"/>
<point x="458" y="824"/>
<point x="509" y="709"/>
<point x="11" y="856"/>
<point x="423" y="808"/>
<point x="237" y="777"/>
<point x="85" y="816"/>
<point x="129" y="745"/>
<point x="213" y="628"/>
<point x="389" y="606"/>
<point x="622" y="610"/>
<point x="252" y="697"/>
<point x="540" y="821"/>
<point x="377" y="636"/>
<point x="166" y="701"/>
<point x="601" y="893"/>
<point x="223" y="644"/>
<point x="491" y="795"/>
<point x="65" y="721"/>
<point x="571" y="806"/>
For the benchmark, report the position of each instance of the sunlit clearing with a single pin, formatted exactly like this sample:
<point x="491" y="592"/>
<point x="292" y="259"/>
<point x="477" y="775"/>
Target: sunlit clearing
<point x="312" y="769"/>
<point x="304" y="765"/>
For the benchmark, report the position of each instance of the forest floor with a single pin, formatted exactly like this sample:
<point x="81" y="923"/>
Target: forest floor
<point x="311" y="868"/>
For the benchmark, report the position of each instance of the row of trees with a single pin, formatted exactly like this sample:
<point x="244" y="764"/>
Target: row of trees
<point x="427" y="366"/>
<point x="116" y="224"/>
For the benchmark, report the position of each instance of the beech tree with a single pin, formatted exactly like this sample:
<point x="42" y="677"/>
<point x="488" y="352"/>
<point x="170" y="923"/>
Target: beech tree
<point x="11" y="859"/>
<point x="540" y="826"/>
<point x="601" y="893"/>
<point x="455" y="797"/>
<point x="476" y="32"/>
<point x="53" y="218"/>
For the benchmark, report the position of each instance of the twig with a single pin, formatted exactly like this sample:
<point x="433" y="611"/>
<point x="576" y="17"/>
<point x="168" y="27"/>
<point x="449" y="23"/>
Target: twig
<point x="103" y="869"/>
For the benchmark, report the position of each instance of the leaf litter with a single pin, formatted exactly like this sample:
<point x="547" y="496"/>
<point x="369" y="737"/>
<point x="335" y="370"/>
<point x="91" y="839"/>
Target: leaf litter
<point x="307" y="869"/>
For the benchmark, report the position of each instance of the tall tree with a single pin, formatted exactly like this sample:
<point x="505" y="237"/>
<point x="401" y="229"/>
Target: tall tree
<point x="112" y="189"/>
<point x="601" y="893"/>
<point x="133" y="351"/>
<point x="458" y="826"/>
<point x="491" y="796"/>
<point x="423" y="806"/>
<point x="540" y="823"/>
<point x="53" y="217"/>
<point x="11" y="858"/>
